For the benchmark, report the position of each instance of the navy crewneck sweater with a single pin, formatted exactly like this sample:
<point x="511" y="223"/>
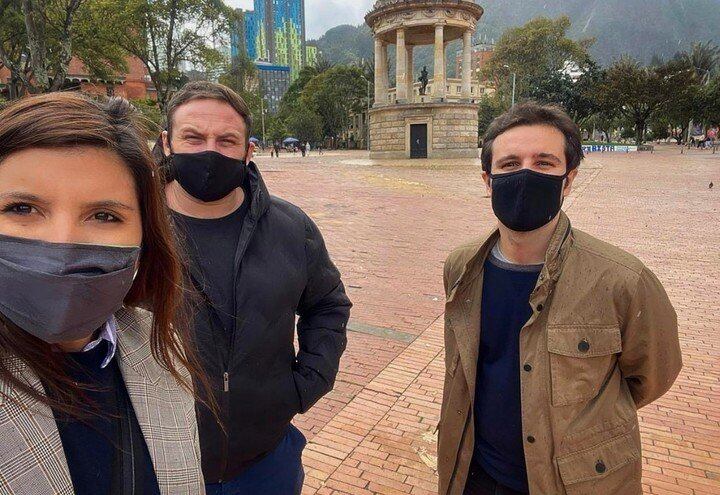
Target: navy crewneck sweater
<point x="498" y="415"/>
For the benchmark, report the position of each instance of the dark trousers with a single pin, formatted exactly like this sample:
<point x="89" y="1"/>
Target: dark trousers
<point x="480" y="483"/>
<point x="279" y="473"/>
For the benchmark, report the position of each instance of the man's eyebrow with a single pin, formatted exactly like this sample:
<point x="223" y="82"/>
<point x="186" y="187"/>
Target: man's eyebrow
<point x="110" y="204"/>
<point x="190" y="128"/>
<point x="550" y="156"/>
<point x="508" y="157"/>
<point x="230" y="134"/>
<point x="21" y="196"/>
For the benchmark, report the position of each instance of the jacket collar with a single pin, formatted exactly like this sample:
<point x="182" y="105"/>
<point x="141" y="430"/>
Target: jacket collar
<point x="259" y="194"/>
<point x="134" y="348"/>
<point x="554" y="256"/>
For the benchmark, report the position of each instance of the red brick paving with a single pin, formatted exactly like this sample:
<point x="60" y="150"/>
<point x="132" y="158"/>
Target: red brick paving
<point x="389" y="230"/>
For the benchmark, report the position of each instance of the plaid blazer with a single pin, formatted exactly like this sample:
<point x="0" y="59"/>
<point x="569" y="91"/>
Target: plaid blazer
<point x="32" y="460"/>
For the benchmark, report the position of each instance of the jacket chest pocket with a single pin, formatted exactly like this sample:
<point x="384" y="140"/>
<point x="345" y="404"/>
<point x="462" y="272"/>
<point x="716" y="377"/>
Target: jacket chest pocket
<point x="581" y="359"/>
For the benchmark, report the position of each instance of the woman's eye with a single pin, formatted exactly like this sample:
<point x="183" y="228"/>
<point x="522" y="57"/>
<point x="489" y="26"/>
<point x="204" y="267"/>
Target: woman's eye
<point x="106" y="217"/>
<point x="19" y="209"/>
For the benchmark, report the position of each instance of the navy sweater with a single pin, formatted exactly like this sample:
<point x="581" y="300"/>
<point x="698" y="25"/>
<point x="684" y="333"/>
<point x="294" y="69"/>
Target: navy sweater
<point x="91" y="445"/>
<point x="498" y="416"/>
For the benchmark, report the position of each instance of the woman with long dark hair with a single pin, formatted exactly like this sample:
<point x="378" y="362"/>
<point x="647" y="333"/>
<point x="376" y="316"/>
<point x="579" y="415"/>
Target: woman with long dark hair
<point x="96" y="394"/>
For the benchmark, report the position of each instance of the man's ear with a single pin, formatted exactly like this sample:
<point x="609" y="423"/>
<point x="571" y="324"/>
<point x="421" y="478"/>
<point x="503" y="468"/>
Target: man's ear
<point x="488" y="183"/>
<point x="569" y="182"/>
<point x="250" y="152"/>
<point x="166" y="143"/>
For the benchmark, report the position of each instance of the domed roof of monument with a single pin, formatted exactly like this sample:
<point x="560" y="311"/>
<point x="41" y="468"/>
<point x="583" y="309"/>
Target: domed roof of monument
<point x="384" y="3"/>
<point x="382" y="6"/>
<point x="387" y="13"/>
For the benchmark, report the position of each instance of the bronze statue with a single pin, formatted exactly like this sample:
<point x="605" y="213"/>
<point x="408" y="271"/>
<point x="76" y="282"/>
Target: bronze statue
<point x="423" y="79"/>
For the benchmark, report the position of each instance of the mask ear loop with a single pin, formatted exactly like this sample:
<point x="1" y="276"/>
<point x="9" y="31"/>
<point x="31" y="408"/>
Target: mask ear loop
<point x="562" y="191"/>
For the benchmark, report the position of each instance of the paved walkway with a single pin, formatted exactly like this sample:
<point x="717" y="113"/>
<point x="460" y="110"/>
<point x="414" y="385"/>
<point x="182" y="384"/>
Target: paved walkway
<point x="389" y="230"/>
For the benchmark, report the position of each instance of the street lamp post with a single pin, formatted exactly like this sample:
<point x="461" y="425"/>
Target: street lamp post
<point x="514" y="74"/>
<point x="513" y="96"/>
<point x="262" y="118"/>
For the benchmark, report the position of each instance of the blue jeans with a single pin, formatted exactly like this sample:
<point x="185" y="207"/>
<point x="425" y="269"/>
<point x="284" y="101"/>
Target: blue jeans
<point x="278" y="473"/>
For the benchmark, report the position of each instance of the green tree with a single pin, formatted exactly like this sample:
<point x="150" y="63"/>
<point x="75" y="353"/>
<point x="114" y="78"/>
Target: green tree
<point x="292" y="96"/>
<point x="704" y="58"/>
<point x="152" y="115"/>
<point x="490" y="107"/>
<point x="532" y="52"/>
<point x="305" y="125"/>
<point x="334" y="95"/>
<point x="276" y="130"/>
<point x="684" y="102"/>
<point x="637" y="93"/>
<point x="241" y="75"/>
<point x="39" y="38"/>
<point x="167" y="34"/>
<point x="575" y="96"/>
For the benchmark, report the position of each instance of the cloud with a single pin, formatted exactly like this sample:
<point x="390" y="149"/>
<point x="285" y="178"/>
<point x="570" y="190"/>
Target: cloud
<point x="321" y="15"/>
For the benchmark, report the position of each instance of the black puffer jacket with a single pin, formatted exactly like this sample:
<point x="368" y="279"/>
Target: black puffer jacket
<point x="282" y="269"/>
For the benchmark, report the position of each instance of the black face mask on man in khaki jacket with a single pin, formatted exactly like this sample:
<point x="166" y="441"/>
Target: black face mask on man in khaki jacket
<point x="601" y="341"/>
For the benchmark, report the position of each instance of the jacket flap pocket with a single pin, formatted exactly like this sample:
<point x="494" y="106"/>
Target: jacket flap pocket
<point x="584" y="341"/>
<point x="598" y="461"/>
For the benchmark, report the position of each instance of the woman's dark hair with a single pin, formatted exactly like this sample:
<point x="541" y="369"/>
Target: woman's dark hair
<point x="532" y="113"/>
<point x="69" y="120"/>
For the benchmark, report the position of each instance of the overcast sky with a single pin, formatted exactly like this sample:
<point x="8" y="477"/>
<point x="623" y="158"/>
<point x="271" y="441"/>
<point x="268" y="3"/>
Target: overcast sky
<point x="321" y="15"/>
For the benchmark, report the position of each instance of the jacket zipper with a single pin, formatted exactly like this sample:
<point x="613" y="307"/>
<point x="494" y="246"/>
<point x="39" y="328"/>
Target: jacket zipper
<point x="226" y="382"/>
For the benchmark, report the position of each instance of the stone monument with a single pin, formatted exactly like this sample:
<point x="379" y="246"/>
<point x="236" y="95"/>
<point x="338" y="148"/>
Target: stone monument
<point x="404" y="121"/>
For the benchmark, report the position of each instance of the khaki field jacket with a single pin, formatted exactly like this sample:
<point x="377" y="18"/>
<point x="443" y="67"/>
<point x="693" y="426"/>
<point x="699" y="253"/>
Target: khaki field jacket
<point x="601" y="343"/>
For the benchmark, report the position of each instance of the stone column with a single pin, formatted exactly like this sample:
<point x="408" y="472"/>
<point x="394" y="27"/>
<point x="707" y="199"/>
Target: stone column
<point x="410" y="79"/>
<point x="380" y="91"/>
<point x="438" y="85"/>
<point x="400" y="66"/>
<point x="385" y="68"/>
<point x="466" y="64"/>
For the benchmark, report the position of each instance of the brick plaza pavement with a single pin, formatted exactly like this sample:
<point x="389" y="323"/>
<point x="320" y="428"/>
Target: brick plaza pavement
<point x="389" y="229"/>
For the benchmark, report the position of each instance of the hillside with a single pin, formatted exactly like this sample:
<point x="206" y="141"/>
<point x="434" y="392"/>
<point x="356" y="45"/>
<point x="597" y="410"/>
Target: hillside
<point x="640" y="28"/>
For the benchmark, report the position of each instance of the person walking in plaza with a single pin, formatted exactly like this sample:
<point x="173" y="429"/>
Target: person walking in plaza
<point x="258" y="261"/>
<point x="554" y="339"/>
<point x="96" y="393"/>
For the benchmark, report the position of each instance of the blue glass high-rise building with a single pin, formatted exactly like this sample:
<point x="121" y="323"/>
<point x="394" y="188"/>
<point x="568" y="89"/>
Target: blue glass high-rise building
<point x="275" y="32"/>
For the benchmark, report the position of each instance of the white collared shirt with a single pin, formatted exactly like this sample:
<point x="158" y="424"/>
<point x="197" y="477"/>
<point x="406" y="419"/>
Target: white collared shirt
<point x="109" y="333"/>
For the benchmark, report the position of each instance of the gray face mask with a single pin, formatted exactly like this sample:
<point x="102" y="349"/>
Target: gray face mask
<point x="63" y="292"/>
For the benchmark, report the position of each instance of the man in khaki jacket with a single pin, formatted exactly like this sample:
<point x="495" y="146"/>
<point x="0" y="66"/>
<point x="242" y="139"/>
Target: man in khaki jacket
<point x="554" y="339"/>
